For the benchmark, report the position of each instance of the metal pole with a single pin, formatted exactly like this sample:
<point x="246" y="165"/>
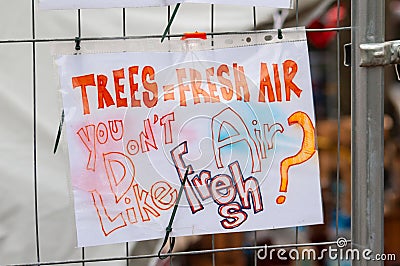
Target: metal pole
<point x="368" y="18"/>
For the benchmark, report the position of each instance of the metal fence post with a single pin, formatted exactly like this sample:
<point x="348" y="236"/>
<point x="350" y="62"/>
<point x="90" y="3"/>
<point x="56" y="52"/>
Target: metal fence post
<point x="367" y="132"/>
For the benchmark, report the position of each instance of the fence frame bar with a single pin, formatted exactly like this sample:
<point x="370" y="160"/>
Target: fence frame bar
<point x="367" y="95"/>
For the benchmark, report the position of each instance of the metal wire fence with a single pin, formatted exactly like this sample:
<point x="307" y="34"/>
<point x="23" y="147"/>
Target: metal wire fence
<point x="36" y="43"/>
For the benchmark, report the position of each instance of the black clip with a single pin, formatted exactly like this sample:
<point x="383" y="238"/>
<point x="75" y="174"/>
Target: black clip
<point x="60" y="126"/>
<point x="77" y="43"/>
<point x="280" y="35"/>
<point x="170" y="21"/>
<point x="397" y="69"/>
<point x="168" y="230"/>
<point x="347" y="54"/>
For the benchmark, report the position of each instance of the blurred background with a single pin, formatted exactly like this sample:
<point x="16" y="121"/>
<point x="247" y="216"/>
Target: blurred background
<point x="30" y="112"/>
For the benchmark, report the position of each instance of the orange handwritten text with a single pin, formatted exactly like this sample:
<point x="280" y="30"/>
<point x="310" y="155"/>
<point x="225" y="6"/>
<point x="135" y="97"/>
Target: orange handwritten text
<point x="122" y="201"/>
<point x="137" y="86"/>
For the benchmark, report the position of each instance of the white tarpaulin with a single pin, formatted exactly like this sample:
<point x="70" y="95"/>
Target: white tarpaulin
<point x="75" y="4"/>
<point x="240" y="119"/>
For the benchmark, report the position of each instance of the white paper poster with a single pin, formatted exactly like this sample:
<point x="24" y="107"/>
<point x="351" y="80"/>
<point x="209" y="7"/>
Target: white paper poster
<point x="75" y="4"/>
<point x="240" y="119"/>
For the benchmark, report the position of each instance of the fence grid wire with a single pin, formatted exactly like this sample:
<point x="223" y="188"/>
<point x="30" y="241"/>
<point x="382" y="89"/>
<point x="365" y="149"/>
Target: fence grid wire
<point x="34" y="41"/>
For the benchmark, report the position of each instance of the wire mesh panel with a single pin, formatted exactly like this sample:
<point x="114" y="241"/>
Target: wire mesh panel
<point x="37" y="225"/>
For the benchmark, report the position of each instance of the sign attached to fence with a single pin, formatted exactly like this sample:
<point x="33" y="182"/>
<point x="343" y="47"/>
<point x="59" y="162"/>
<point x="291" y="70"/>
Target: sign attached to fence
<point x="75" y="4"/>
<point x="241" y="119"/>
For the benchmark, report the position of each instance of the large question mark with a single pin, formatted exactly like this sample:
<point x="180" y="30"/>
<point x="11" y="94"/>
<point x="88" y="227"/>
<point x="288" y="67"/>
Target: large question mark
<point x="305" y="153"/>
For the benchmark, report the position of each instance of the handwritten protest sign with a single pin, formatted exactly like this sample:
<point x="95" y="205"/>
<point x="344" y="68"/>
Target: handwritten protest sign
<point x="241" y="119"/>
<point x="75" y="4"/>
